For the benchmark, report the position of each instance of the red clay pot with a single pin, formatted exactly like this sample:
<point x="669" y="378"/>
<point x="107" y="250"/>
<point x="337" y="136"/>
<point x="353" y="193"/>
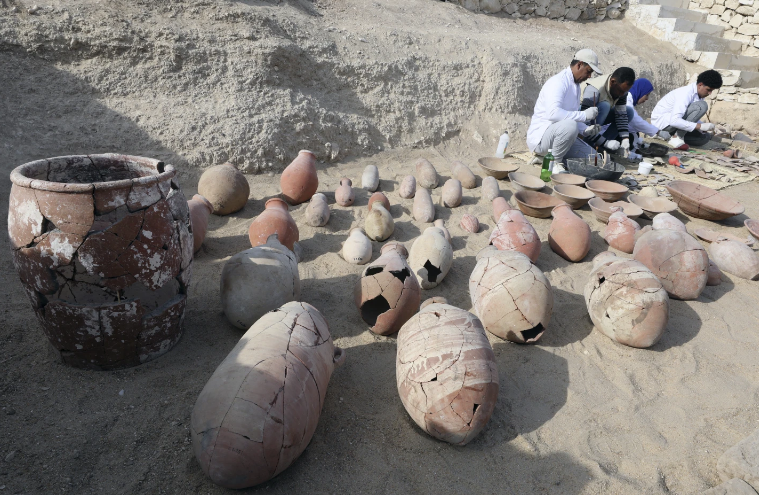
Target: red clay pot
<point x="378" y="196"/>
<point x="200" y="210"/>
<point x="299" y="180"/>
<point x="569" y="236"/>
<point x="344" y="193"/>
<point x="274" y="219"/>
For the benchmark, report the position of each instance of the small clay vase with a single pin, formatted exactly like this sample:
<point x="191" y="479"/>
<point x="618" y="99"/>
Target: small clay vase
<point x="440" y="223"/>
<point x="499" y="206"/>
<point x="430" y="257"/>
<point x="424" y="209"/>
<point x="470" y="223"/>
<point x="665" y="221"/>
<point x="490" y="189"/>
<point x="407" y="188"/>
<point x="569" y="236"/>
<point x="317" y="211"/>
<point x="462" y="173"/>
<point x="275" y="219"/>
<point x="370" y="178"/>
<point x="735" y="258"/>
<point x="426" y="175"/>
<point x="452" y="193"/>
<point x="714" y="274"/>
<point x="378" y="196"/>
<point x="225" y="187"/>
<point x="299" y="180"/>
<point x="514" y="233"/>
<point x="344" y="195"/>
<point x="357" y="249"/>
<point x="379" y="223"/>
<point x="200" y="210"/>
<point x="620" y="231"/>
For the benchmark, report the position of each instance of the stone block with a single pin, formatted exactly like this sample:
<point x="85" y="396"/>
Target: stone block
<point x="573" y="14"/>
<point x="750" y="99"/>
<point x="490" y="6"/>
<point x="732" y="4"/>
<point x="741" y="461"/>
<point x="731" y="487"/>
<point x="719" y="2"/>
<point x="527" y="8"/>
<point x="510" y="8"/>
<point x="727" y="15"/>
<point x="717" y="10"/>
<point x="747" y="2"/>
<point x="746" y="10"/>
<point x="693" y="6"/>
<point x="707" y="4"/>
<point x="736" y="21"/>
<point x="728" y="90"/>
<point x="749" y="29"/>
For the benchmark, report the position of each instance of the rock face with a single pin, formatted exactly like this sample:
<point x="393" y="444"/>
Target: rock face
<point x="736" y="258"/>
<point x="426" y="175"/>
<point x="677" y="259"/>
<point x="511" y="296"/>
<point x="260" y="408"/>
<point x="299" y="181"/>
<point x="388" y="294"/>
<point x="514" y="232"/>
<point x="317" y="211"/>
<point x="620" y="231"/>
<point x="225" y="187"/>
<point x="741" y="461"/>
<point x="104" y="246"/>
<point x="626" y="302"/>
<point x="446" y="373"/>
<point x="258" y="280"/>
<point x="430" y="257"/>
<point x="569" y="236"/>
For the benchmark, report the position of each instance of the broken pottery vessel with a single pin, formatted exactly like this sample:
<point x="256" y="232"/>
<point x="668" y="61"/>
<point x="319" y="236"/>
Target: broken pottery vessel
<point x="258" y="280"/>
<point x="464" y="175"/>
<point x="261" y="406"/>
<point x="387" y="294"/>
<point x="620" y="231"/>
<point x="490" y="190"/>
<point x="714" y="274"/>
<point x="317" y="212"/>
<point x="499" y="206"/>
<point x="430" y="257"/>
<point x="299" y="180"/>
<point x="424" y="209"/>
<point x="626" y="302"/>
<point x="200" y="210"/>
<point x="433" y="300"/>
<point x="440" y="223"/>
<point x="370" y="178"/>
<point x="452" y="193"/>
<point x="103" y="245"/>
<point x="446" y="373"/>
<point x="679" y="260"/>
<point x="379" y="223"/>
<point x="378" y="196"/>
<point x="569" y="236"/>
<point x="407" y="188"/>
<point x="470" y="223"/>
<point x="514" y="233"/>
<point x="357" y="249"/>
<point x="665" y="221"/>
<point x="735" y="257"/>
<point x="344" y="195"/>
<point x="642" y="231"/>
<point x="275" y="218"/>
<point x="225" y="187"/>
<point x="426" y="175"/>
<point x="511" y="296"/>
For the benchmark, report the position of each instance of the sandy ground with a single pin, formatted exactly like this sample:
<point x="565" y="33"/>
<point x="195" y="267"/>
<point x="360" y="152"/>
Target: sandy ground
<point x="576" y="413"/>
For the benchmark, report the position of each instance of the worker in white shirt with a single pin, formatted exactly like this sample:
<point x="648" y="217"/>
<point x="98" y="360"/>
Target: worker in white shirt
<point x="680" y="110"/>
<point x="557" y="121"/>
<point x="638" y="94"/>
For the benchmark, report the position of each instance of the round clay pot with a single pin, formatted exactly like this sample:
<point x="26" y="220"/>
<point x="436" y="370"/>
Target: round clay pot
<point x="620" y="231"/>
<point x="275" y="219"/>
<point x="424" y="209"/>
<point x="378" y="196"/>
<point x="569" y="236"/>
<point x="499" y="206"/>
<point x="426" y="175"/>
<point x="462" y="173"/>
<point x="225" y="187"/>
<point x="357" y="249"/>
<point x="370" y="178"/>
<point x="470" y="223"/>
<point x="490" y="190"/>
<point x="103" y="245"/>
<point x="379" y="223"/>
<point x="452" y="193"/>
<point x="735" y="257"/>
<point x="200" y="210"/>
<point x="431" y="257"/>
<point x="299" y="180"/>
<point x="317" y="212"/>
<point x="344" y="195"/>
<point x="407" y="188"/>
<point x="514" y="233"/>
<point x="258" y="280"/>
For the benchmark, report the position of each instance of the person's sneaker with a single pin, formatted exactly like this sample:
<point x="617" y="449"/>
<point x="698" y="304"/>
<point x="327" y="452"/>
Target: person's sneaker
<point x="678" y="143"/>
<point x="558" y="168"/>
<point x="536" y="160"/>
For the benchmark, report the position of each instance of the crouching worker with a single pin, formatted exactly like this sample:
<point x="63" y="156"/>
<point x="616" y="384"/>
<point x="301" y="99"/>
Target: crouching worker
<point x="680" y="110"/>
<point x="556" y="120"/>
<point x="609" y="95"/>
<point x="638" y="94"/>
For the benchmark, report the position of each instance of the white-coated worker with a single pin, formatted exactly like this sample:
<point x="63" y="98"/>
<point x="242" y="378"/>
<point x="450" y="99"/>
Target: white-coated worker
<point x="638" y="94"/>
<point x="680" y="110"/>
<point x="557" y="121"/>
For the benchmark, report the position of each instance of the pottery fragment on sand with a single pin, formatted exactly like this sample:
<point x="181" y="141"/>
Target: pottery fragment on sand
<point x="514" y="233"/>
<point x="299" y="180"/>
<point x="344" y="195"/>
<point x="470" y="223"/>
<point x="569" y="235"/>
<point x="430" y="257"/>
<point x="424" y="209"/>
<point x="464" y="175"/>
<point x="370" y="178"/>
<point x="225" y="187"/>
<point x="357" y="249"/>
<point x="407" y="188"/>
<point x="426" y="175"/>
<point x="275" y="219"/>
<point x="200" y="210"/>
<point x="490" y="190"/>
<point x="620" y="231"/>
<point x="735" y="258"/>
<point x="317" y="212"/>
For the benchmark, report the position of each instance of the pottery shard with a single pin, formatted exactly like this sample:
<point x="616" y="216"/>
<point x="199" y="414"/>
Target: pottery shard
<point x="59" y="247"/>
<point x="72" y="327"/>
<point x="120" y="324"/>
<point x="144" y="193"/>
<point x="741" y="461"/>
<point x="736" y="258"/>
<point x="407" y="188"/>
<point x="25" y="221"/>
<point x="160" y="325"/>
<point x="100" y="252"/>
<point x="71" y="213"/>
<point x="108" y="198"/>
<point x="35" y="271"/>
<point x="470" y="223"/>
<point x="426" y="175"/>
<point x="514" y="233"/>
<point x="446" y="373"/>
<point x="626" y="302"/>
<point x="511" y="296"/>
<point x="178" y="205"/>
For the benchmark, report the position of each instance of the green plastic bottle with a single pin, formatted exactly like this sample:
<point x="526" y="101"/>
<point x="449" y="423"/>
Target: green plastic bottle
<point x="545" y="172"/>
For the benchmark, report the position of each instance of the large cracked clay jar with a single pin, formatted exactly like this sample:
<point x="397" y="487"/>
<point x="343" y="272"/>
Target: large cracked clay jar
<point x="446" y="373"/>
<point x="103" y="245"/>
<point x="261" y="406"/>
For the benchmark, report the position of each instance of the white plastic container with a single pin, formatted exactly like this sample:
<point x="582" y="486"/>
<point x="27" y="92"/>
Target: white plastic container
<point x="503" y="143"/>
<point x="645" y="167"/>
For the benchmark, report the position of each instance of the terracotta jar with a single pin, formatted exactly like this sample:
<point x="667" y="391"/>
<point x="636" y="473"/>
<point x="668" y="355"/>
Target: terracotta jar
<point x="387" y="294"/>
<point x="344" y="195"/>
<point x="299" y="180"/>
<point x="620" y="231"/>
<point x="446" y="373"/>
<point x="470" y="223"/>
<point x="735" y="257"/>
<point x="569" y="236"/>
<point x="499" y="206"/>
<point x="490" y="189"/>
<point x="378" y="196"/>
<point x="452" y="193"/>
<point x="225" y="187"/>
<point x="200" y="210"/>
<point x="514" y="233"/>
<point x="424" y="209"/>
<point x="317" y="212"/>
<point x="275" y="219"/>
<point x="103" y="245"/>
<point x="357" y="249"/>
<point x="431" y="257"/>
<point x="379" y="224"/>
<point x="462" y="173"/>
<point x="407" y="188"/>
<point x="261" y="406"/>
<point x="426" y="175"/>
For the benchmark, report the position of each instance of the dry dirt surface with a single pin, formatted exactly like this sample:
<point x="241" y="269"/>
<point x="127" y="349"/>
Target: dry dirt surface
<point x="198" y="82"/>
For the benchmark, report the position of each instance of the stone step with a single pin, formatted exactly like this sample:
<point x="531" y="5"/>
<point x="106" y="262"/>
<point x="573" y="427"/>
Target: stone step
<point x="683" y="4"/>
<point x="680" y="13"/>
<point x="690" y="42"/>
<point x="740" y="78"/>
<point x="729" y="61"/>
<point x="686" y="26"/>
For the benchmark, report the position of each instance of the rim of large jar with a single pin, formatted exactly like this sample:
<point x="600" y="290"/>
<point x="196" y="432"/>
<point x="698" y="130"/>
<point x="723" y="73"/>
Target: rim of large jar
<point x="19" y="178"/>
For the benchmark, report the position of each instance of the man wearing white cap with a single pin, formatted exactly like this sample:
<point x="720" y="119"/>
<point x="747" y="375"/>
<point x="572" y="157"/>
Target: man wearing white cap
<point x="557" y="120"/>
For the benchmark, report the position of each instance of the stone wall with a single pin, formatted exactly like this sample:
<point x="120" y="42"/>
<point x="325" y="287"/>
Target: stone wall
<point x="571" y="10"/>
<point x="740" y="18"/>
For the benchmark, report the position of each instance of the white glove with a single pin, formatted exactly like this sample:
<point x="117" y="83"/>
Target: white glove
<point x="664" y="135"/>
<point x="707" y="127"/>
<point x="611" y="145"/>
<point x="634" y="156"/>
<point x="625" y="145"/>
<point x="591" y="113"/>
<point x="591" y="130"/>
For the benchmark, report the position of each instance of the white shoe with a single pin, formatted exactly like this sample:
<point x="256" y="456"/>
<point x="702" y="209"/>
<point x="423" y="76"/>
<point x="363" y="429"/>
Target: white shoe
<point x="536" y="160"/>
<point x="558" y="168"/>
<point x="678" y="143"/>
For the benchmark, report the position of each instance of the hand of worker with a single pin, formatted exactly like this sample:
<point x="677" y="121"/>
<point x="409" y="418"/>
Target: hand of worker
<point x="611" y="145"/>
<point x="707" y="127"/>
<point x="591" y="113"/>
<point x="625" y="145"/>
<point x="664" y="135"/>
<point x="591" y="131"/>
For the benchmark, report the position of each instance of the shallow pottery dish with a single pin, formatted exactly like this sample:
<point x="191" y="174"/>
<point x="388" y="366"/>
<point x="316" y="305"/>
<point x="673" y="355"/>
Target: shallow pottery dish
<point x="579" y="166"/>
<point x="703" y="202"/>
<point x="526" y="182"/>
<point x="606" y="190"/>
<point x="602" y="209"/>
<point x="568" y="179"/>
<point x="498" y="167"/>
<point x="652" y="206"/>
<point x="710" y="235"/>
<point x="752" y="226"/>
<point x="575" y="196"/>
<point x="536" y="204"/>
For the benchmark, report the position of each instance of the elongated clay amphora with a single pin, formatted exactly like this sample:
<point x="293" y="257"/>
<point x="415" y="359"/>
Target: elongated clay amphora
<point x="299" y="180"/>
<point x="569" y="236"/>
